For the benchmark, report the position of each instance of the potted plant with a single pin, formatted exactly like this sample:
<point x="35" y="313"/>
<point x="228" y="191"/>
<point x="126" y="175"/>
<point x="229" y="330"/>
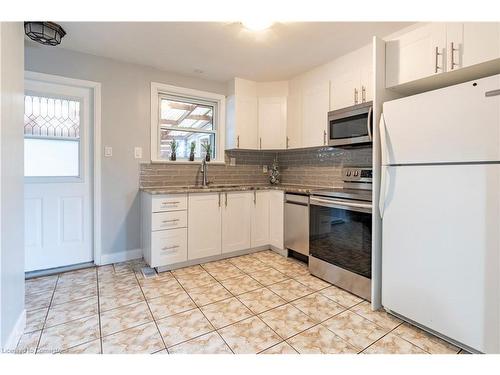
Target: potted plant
<point x="193" y="147"/>
<point x="173" y="148"/>
<point x="208" y="150"/>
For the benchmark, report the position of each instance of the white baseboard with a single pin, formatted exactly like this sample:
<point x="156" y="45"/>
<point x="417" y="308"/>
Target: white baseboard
<point x="17" y="332"/>
<point x="121" y="256"/>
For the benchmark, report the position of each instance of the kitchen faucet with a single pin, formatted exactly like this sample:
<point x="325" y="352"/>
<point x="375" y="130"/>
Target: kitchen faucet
<point x="204" y="171"/>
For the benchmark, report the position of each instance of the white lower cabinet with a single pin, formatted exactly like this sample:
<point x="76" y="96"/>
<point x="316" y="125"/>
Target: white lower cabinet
<point x="204" y="223"/>
<point x="260" y="218"/>
<point x="236" y="221"/>
<point x="276" y="218"/>
<point x="169" y="246"/>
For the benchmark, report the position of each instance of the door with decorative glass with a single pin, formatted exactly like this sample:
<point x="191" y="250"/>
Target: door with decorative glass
<point x="58" y="175"/>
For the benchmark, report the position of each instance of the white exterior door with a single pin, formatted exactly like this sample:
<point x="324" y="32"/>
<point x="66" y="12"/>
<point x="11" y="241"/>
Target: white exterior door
<point x="58" y="176"/>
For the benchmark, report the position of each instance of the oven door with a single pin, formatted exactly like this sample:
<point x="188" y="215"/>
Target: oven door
<point x="350" y="126"/>
<point x="340" y="233"/>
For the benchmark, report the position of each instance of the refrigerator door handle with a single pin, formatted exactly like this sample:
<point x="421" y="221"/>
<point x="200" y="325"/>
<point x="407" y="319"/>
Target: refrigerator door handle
<point x="383" y="169"/>
<point x="383" y="140"/>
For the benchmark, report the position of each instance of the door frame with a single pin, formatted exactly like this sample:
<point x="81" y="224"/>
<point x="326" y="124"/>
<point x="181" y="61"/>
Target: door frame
<point x="95" y="88"/>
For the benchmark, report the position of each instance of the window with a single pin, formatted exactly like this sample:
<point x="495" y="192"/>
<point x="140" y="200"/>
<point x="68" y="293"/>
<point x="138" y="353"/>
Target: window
<point x="186" y="117"/>
<point x="51" y="137"/>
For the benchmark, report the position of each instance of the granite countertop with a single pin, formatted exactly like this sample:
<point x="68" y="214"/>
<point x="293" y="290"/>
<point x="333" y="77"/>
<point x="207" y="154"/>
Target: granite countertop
<point x="287" y="188"/>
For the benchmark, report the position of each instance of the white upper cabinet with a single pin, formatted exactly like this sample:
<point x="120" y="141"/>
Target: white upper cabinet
<point x="204" y="223"/>
<point x="352" y="87"/>
<point x="315" y="107"/>
<point x="241" y="115"/>
<point x="272" y="123"/>
<point x="293" y="121"/>
<point x="416" y="54"/>
<point x="437" y="48"/>
<point x="236" y="221"/>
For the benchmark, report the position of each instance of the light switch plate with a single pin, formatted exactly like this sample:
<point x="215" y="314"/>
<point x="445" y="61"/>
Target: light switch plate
<point x="232" y="162"/>
<point x="138" y="152"/>
<point x="108" y="151"/>
<point x="264" y="169"/>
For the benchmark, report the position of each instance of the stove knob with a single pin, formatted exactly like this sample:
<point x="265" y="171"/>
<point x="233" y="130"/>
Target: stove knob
<point x="356" y="173"/>
<point x="348" y="173"/>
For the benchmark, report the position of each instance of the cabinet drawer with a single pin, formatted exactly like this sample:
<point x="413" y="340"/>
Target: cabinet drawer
<point x="168" y="247"/>
<point x="173" y="202"/>
<point x="169" y="220"/>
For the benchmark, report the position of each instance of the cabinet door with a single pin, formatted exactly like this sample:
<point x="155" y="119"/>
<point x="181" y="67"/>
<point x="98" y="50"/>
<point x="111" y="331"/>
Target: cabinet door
<point x="454" y="45"/>
<point x="168" y="247"/>
<point x="413" y="55"/>
<point x="246" y="122"/>
<point x="345" y="89"/>
<point x="236" y="221"/>
<point x="272" y="123"/>
<point x="315" y="107"/>
<point x="481" y="42"/>
<point x="204" y="225"/>
<point x="260" y="218"/>
<point x="294" y="121"/>
<point x="276" y="218"/>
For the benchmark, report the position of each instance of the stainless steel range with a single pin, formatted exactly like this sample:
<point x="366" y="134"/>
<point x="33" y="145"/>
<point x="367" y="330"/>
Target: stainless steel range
<point x="340" y="232"/>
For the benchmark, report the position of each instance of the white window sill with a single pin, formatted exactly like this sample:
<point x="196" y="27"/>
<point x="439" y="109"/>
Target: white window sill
<point x="184" y="162"/>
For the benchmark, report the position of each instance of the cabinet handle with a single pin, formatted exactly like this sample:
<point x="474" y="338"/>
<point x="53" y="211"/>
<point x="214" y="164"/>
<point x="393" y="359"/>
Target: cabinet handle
<point x="260" y="143"/>
<point x="219" y="200"/>
<point x="363" y="94"/>
<point x="164" y="203"/>
<point x="170" y="221"/>
<point x="170" y="247"/>
<point x="437" y="54"/>
<point x="492" y="93"/>
<point x="287" y="142"/>
<point x="226" y="198"/>
<point x="238" y="142"/>
<point x="254" y="197"/>
<point x="324" y="137"/>
<point x="453" y="49"/>
<point x="355" y="96"/>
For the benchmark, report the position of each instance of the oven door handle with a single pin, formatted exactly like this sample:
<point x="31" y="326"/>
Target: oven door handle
<point x="339" y="204"/>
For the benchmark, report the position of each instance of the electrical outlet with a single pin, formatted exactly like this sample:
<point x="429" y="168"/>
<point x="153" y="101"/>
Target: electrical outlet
<point x="108" y="151"/>
<point x="264" y="169"/>
<point x="138" y="152"/>
<point x="232" y="162"/>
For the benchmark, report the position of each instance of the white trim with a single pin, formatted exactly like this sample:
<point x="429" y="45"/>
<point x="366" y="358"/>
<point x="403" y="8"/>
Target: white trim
<point x="96" y="194"/>
<point x="122" y="256"/>
<point x="157" y="88"/>
<point x="17" y="332"/>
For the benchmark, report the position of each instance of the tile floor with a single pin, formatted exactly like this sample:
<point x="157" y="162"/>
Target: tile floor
<point x="258" y="303"/>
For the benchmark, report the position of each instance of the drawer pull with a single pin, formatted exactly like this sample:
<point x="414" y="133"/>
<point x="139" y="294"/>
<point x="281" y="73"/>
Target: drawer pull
<point x="170" y="247"/>
<point x="170" y="203"/>
<point x="170" y="221"/>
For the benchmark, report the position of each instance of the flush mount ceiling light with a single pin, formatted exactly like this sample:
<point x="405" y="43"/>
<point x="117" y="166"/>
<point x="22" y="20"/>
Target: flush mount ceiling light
<point x="48" y="33"/>
<point x="257" y="24"/>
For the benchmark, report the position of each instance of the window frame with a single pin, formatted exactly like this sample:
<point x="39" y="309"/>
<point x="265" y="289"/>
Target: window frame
<point x="159" y="90"/>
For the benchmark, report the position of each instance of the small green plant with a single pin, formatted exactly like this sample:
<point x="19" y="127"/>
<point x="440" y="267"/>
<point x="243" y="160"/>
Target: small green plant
<point x="193" y="147"/>
<point x="173" y="148"/>
<point x="207" y="147"/>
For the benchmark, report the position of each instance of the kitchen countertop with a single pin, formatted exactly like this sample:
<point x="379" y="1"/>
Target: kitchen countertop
<point x="287" y="188"/>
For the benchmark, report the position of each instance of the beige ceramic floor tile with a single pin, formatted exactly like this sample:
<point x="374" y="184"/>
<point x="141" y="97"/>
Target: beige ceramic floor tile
<point x="63" y="295"/>
<point x="356" y="330"/>
<point x="117" y="288"/>
<point x="184" y="326"/>
<point x="191" y="270"/>
<point x="281" y="348"/>
<point x="124" y="317"/>
<point x="211" y="293"/>
<point x="191" y="281"/>
<point x="28" y="343"/>
<point x="171" y="304"/>
<point x="290" y="290"/>
<point x="261" y="300"/>
<point x="426" y="341"/>
<point x="379" y="317"/>
<point x="226" y="312"/>
<point x="287" y="320"/>
<point x="241" y="284"/>
<point x="320" y="340"/>
<point x="163" y="288"/>
<point x="114" y="278"/>
<point x="38" y="300"/>
<point x="250" y="336"/>
<point x="228" y="272"/>
<point x="249" y="265"/>
<point x="267" y="256"/>
<point x="71" y="311"/>
<point x="138" y="340"/>
<point x="318" y="307"/>
<point x="312" y="282"/>
<point x="341" y="296"/>
<point x="291" y="268"/>
<point x="35" y="320"/>
<point x="268" y="276"/>
<point x="211" y="343"/>
<point x="393" y="344"/>
<point x="91" y="347"/>
<point x="157" y="280"/>
<point x="41" y="284"/>
<point x="112" y="301"/>
<point x="69" y="334"/>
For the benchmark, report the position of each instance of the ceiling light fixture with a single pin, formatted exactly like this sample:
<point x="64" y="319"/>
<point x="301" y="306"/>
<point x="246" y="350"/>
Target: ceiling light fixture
<point x="257" y="24"/>
<point x="48" y="33"/>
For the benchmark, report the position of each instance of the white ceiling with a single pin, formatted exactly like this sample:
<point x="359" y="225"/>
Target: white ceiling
<point x="224" y="50"/>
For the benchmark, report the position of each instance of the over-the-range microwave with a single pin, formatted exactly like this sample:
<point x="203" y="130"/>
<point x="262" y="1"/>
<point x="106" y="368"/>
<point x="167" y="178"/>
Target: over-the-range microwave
<point x="350" y="126"/>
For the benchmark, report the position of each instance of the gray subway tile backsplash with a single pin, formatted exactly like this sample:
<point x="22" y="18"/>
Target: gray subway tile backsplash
<point x="314" y="166"/>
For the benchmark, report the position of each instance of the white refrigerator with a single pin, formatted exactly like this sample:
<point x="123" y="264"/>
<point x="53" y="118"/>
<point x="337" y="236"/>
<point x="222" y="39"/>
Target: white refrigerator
<point x="440" y="209"/>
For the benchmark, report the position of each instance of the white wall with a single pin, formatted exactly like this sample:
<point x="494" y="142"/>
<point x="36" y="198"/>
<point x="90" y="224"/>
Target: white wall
<point x="11" y="184"/>
<point x="125" y="124"/>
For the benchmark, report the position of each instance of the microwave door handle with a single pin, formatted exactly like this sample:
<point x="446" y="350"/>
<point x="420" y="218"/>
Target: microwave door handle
<point x="368" y="124"/>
